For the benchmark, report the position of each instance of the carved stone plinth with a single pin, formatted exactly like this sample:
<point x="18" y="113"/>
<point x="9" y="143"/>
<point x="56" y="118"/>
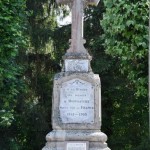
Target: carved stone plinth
<point x="76" y="111"/>
<point x="57" y="139"/>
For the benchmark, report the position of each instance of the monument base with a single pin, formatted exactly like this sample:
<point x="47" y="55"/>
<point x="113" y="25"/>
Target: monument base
<point x="57" y="139"/>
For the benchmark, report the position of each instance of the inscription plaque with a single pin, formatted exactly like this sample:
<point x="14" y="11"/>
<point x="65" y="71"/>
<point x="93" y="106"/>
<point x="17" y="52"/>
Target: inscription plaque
<point x="77" y="146"/>
<point x="77" y="102"/>
<point x="76" y="65"/>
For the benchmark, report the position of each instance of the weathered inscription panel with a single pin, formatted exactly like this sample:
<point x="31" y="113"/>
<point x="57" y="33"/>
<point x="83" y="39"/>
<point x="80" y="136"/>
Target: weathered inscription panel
<point x="77" y="146"/>
<point x="77" y="102"/>
<point x="76" y="65"/>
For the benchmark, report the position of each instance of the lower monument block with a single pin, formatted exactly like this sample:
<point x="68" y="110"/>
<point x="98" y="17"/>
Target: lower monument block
<point x="76" y="117"/>
<point x="62" y="146"/>
<point x="92" y="139"/>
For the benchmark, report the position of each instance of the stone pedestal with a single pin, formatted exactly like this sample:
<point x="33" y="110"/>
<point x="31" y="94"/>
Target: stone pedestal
<point x="57" y="139"/>
<point x="76" y="112"/>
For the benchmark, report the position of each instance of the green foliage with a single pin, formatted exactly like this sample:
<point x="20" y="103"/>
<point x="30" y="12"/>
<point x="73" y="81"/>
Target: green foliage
<point x="39" y="60"/>
<point x="26" y="71"/>
<point x="101" y="63"/>
<point x="42" y="23"/>
<point x="125" y="25"/>
<point x="11" y="40"/>
<point x="144" y="145"/>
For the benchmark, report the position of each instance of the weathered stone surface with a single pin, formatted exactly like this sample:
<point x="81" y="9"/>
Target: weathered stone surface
<point x="77" y="145"/>
<point x="76" y="102"/>
<point x="76" y="135"/>
<point x="92" y="96"/>
<point x="77" y="65"/>
<point x="60" y="146"/>
<point x="81" y="56"/>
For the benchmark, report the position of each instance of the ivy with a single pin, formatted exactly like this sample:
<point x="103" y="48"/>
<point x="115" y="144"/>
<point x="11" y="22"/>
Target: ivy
<point x="125" y="25"/>
<point x="11" y="41"/>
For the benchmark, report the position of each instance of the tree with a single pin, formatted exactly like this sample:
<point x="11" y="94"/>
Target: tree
<point x="125" y="26"/>
<point x="27" y="69"/>
<point x="40" y="65"/>
<point x="12" y="39"/>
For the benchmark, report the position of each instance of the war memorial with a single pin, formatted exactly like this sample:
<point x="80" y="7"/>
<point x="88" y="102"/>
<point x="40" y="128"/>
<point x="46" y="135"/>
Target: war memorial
<point x="76" y="104"/>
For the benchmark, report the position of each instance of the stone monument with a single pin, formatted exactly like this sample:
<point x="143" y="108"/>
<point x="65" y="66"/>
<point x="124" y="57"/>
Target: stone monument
<point x="76" y="110"/>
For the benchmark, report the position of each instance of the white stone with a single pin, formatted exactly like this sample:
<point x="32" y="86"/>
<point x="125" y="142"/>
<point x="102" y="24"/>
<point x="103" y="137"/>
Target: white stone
<point x="76" y="65"/>
<point x="76" y="135"/>
<point x="76" y="145"/>
<point x="91" y="80"/>
<point x="77" y="102"/>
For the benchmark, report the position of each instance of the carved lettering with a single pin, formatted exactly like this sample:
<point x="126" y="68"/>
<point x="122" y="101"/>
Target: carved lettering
<point x="77" y="102"/>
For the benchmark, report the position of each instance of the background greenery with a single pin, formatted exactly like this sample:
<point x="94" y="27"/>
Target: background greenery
<point x="31" y="47"/>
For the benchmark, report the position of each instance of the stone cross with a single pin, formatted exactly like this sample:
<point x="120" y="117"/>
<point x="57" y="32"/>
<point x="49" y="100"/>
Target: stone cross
<point x="77" y="41"/>
<point x="76" y="103"/>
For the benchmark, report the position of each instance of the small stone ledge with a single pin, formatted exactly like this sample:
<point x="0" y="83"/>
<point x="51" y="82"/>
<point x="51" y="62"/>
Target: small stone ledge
<point x="76" y="135"/>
